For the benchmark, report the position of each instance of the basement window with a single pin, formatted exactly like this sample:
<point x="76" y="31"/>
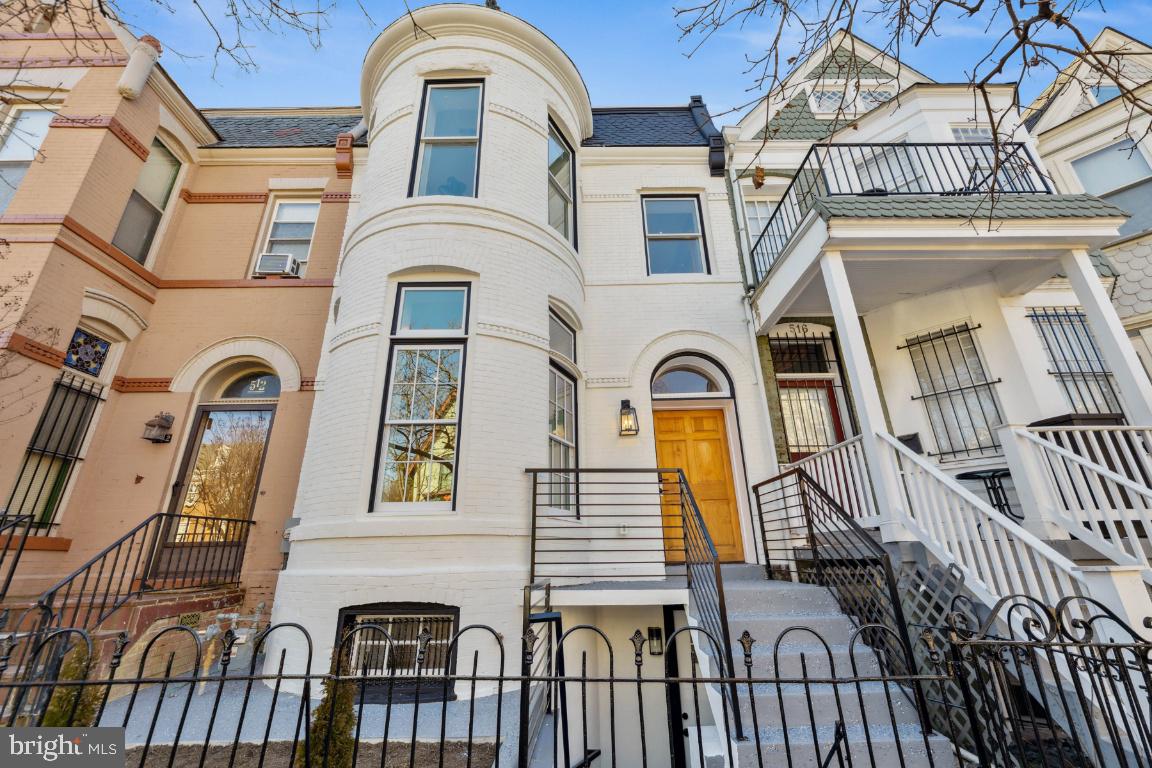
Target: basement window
<point x="393" y="670"/>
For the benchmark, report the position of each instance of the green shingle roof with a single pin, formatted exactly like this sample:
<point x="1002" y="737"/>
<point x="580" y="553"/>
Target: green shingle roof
<point x="795" y="121"/>
<point x="845" y="65"/>
<point x="1006" y="206"/>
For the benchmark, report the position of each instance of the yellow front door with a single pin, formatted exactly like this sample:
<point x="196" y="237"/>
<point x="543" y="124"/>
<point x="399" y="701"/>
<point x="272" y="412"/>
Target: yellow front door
<point x="696" y="442"/>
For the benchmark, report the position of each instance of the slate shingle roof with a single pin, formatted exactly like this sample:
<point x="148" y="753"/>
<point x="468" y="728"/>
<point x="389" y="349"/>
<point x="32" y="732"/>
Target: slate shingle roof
<point x="795" y="121"/>
<point x="645" y="127"/>
<point x="952" y="207"/>
<point x="281" y="130"/>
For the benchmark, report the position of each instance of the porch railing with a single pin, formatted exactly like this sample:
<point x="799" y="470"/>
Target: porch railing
<point x="631" y="525"/>
<point x="1096" y="482"/>
<point x="842" y="472"/>
<point x="809" y="537"/>
<point x="877" y="170"/>
<point x="165" y="551"/>
<point x="14" y="532"/>
<point x="996" y="555"/>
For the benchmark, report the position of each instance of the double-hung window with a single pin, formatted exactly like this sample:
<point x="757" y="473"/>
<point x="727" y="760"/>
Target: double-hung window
<point x="1120" y="174"/>
<point x="448" y="150"/>
<point x="422" y="409"/>
<point x="23" y="136"/>
<point x="562" y="449"/>
<point x="758" y="213"/>
<point x="291" y="229"/>
<point x="561" y="185"/>
<point x="674" y="236"/>
<point x="1075" y="359"/>
<point x="956" y="392"/>
<point x="146" y="205"/>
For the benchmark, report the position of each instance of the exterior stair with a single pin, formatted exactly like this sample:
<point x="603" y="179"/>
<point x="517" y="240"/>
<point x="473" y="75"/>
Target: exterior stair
<point x="876" y="721"/>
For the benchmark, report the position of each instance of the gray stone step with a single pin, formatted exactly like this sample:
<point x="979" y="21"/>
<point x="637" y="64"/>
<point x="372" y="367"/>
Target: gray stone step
<point x="797" y="628"/>
<point x="872" y="703"/>
<point x="811" y="661"/>
<point x="876" y="746"/>
<point x="777" y="597"/>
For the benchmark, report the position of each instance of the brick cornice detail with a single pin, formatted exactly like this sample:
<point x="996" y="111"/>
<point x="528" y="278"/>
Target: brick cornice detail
<point x="129" y="384"/>
<point x="336" y="197"/>
<point x="50" y="62"/>
<point x="344" y="156"/>
<point x="307" y="385"/>
<point x="223" y="197"/>
<point x="31" y="349"/>
<point x="103" y="121"/>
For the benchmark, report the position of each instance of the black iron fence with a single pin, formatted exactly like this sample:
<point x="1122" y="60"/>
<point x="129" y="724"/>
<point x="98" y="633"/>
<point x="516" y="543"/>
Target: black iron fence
<point x="14" y="531"/>
<point x="971" y="169"/>
<point x="1071" y="692"/>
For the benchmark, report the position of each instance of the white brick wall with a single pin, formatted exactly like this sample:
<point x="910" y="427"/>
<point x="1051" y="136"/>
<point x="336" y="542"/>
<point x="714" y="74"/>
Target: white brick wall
<point x="477" y="557"/>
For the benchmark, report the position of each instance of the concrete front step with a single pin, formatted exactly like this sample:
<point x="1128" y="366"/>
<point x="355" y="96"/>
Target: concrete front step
<point x="793" y="629"/>
<point x="871" y="703"/>
<point x="875" y="747"/>
<point x="811" y="661"/>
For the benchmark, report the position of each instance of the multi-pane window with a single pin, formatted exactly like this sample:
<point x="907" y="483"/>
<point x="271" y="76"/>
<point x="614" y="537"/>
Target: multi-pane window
<point x="146" y="205"/>
<point x="290" y="232"/>
<point x="391" y="662"/>
<point x="562" y="450"/>
<point x="55" y="449"/>
<point x="1075" y="359"/>
<point x="758" y="213"/>
<point x="1105" y="92"/>
<point x="422" y="409"/>
<point x="971" y="134"/>
<point x="870" y="98"/>
<point x="890" y="168"/>
<point x="87" y="352"/>
<point x="1122" y="175"/>
<point x="675" y="240"/>
<point x="827" y="100"/>
<point x="23" y="136"/>
<point x="956" y="392"/>
<point x="561" y="436"/>
<point x="561" y="184"/>
<point x="449" y="142"/>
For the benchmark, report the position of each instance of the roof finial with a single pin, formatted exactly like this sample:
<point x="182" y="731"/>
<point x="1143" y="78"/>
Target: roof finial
<point x="492" y="4"/>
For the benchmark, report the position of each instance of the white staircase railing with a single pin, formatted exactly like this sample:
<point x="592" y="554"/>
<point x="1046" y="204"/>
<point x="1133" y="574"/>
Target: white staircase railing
<point x="1094" y="482"/>
<point x="842" y="472"/>
<point x="996" y="555"/>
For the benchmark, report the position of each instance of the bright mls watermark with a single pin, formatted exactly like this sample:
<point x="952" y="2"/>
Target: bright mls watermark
<point x="62" y="747"/>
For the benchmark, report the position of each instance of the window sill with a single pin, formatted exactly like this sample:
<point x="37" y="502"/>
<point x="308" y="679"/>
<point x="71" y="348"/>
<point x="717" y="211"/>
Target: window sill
<point x="40" y="543"/>
<point x="414" y="508"/>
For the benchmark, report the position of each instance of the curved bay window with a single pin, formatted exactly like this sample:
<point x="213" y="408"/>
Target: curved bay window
<point x="417" y="457"/>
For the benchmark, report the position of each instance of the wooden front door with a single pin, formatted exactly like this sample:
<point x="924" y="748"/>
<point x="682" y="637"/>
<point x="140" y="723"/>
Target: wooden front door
<point x="696" y="442"/>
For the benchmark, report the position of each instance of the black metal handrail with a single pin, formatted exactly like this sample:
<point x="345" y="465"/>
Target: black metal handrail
<point x="165" y="551"/>
<point x="808" y="537"/>
<point x="14" y="531"/>
<point x="607" y="524"/>
<point x="880" y="170"/>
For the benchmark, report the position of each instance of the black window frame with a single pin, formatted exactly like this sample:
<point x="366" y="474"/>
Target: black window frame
<point x="1074" y="365"/>
<point x="699" y="218"/>
<point x="427" y="86"/>
<point x="574" y="239"/>
<point x="460" y="340"/>
<point x="562" y="370"/>
<point x="405" y="688"/>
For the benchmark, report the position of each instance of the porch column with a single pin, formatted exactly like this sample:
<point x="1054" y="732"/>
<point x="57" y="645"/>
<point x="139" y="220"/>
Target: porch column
<point x="1118" y="352"/>
<point x="865" y="395"/>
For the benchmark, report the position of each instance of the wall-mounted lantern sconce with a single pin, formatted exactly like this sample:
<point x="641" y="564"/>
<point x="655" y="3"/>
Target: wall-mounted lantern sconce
<point x="655" y="641"/>
<point x="629" y="424"/>
<point x="158" y="429"/>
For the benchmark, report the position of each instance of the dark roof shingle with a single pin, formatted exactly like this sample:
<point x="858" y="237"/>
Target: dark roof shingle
<point x="645" y="127"/>
<point x="1006" y="206"/>
<point x="281" y="130"/>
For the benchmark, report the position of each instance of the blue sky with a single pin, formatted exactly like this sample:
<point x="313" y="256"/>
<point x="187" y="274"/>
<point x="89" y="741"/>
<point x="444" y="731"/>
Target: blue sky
<point x="628" y="51"/>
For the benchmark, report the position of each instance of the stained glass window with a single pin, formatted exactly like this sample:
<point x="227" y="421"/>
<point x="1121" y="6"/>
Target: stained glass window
<point x="87" y="352"/>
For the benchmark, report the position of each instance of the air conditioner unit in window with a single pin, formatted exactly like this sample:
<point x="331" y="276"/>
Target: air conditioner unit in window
<point x="278" y="264"/>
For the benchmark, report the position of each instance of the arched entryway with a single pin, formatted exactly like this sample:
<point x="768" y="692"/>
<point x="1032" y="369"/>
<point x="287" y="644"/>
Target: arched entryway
<point x="219" y="474"/>
<point x="694" y="424"/>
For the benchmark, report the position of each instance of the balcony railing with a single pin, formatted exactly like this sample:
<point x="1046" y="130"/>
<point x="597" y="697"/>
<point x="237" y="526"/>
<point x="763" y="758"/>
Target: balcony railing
<point x="881" y="170"/>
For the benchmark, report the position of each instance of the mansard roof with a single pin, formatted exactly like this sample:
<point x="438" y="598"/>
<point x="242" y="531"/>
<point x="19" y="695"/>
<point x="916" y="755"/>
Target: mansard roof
<point x="685" y="126"/>
<point x="281" y="128"/>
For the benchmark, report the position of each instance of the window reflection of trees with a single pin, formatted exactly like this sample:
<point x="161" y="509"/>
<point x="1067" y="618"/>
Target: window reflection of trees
<point x="223" y="480"/>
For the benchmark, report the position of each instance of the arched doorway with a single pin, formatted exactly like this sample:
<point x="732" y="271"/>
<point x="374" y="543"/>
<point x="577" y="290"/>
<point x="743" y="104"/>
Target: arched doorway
<point x="219" y="474"/>
<point x="691" y="403"/>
